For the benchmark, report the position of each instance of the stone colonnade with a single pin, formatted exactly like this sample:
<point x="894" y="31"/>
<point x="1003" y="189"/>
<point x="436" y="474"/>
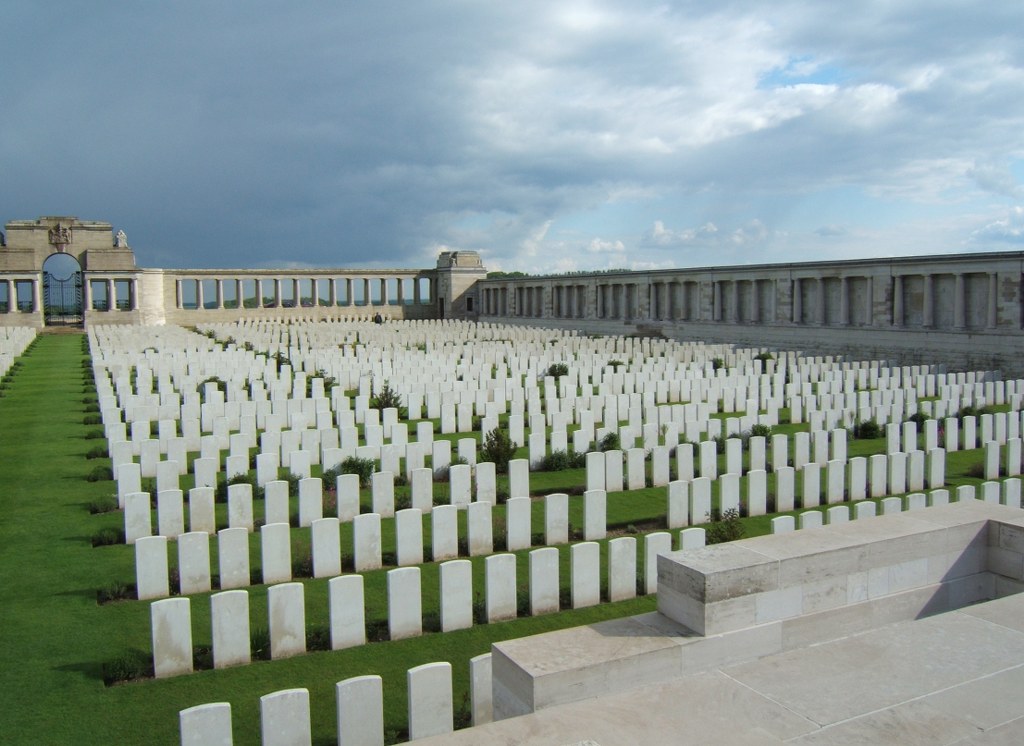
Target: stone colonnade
<point x="254" y="289"/>
<point x="964" y="292"/>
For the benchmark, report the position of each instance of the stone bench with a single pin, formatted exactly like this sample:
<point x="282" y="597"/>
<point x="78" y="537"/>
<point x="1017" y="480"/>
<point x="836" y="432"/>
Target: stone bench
<point x="727" y="603"/>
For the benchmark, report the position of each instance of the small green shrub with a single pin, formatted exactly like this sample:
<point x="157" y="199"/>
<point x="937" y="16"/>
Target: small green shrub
<point x="615" y="364"/>
<point x="100" y="474"/>
<point x="867" y="430"/>
<point x="116" y="591"/>
<point x="610" y="442"/>
<point x="103" y="505"/>
<point x="558" y="369"/>
<point x="201" y="386"/>
<point x="763" y="431"/>
<point x="562" y="460"/>
<point x="97" y="452"/>
<point x="129" y="666"/>
<point x="92" y="419"/>
<point x="499" y="448"/>
<point x="364" y="467"/>
<point x="919" y="418"/>
<point x="387" y="398"/>
<point x="108" y="537"/>
<point x="764" y="357"/>
<point x="723" y="527"/>
<point x="717" y="363"/>
<point x="259" y="640"/>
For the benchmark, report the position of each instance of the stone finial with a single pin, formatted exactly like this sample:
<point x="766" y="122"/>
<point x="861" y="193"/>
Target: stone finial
<point x="121" y="240"/>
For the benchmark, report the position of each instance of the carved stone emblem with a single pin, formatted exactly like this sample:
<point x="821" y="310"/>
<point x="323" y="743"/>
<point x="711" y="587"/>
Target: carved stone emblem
<point x="60" y="235"/>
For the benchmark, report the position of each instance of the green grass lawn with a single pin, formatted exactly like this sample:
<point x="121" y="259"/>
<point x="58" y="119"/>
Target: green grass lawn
<point x="56" y="638"/>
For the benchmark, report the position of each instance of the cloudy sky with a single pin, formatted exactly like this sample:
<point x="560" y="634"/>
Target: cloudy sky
<point x="549" y="136"/>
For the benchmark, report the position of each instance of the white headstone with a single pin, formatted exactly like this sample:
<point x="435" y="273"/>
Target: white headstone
<point x="287" y="611"/>
<point x="405" y="610"/>
<point x="233" y="557"/>
<point x="544" y="585"/>
<point x="500" y="587"/>
<point x="284" y="718"/>
<point x="171" y="625"/>
<point x="347" y="613"/>
<point x="229" y="617"/>
<point x="276" y="553"/>
<point x="360" y="707"/>
<point x="430" y="700"/>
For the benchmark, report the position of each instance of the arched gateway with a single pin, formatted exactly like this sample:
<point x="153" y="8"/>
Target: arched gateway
<point x="90" y="277"/>
<point x="62" y="291"/>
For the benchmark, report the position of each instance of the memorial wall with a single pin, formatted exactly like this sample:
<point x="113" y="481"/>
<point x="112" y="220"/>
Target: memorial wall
<point x="965" y="310"/>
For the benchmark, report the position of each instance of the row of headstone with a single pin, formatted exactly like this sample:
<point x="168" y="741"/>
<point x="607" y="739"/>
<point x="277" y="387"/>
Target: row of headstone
<point x="171" y="618"/>
<point x="359" y="702"/>
<point x="1006" y="493"/>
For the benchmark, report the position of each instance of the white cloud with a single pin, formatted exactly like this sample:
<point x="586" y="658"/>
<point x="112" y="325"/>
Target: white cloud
<point x="345" y="136"/>
<point x="1008" y="229"/>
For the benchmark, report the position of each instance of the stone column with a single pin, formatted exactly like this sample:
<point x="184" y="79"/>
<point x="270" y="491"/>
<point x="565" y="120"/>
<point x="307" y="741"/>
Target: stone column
<point x="755" y="302"/>
<point x="111" y="296"/>
<point x="844" y="301"/>
<point x="959" y="302"/>
<point x="199" y="294"/>
<point x="178" y="296"/>
<point x="928" y="311"/>
<point x="734" y="305"/>
<point x="716" y="301"/>
<point x="133" y="294"/>
<point x="869" y="300"/>
<point x="86" y="294"/>
<point x="797" y="301"/>
<point x="219" y="289"/>
<point x="37" y="294"/>
<point x="897" y="300"/>
<point x="820" y="300"/>
<point x="993" y="290"/>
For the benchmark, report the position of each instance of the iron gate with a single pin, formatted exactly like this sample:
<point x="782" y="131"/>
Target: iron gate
<point x="62" y="300"/>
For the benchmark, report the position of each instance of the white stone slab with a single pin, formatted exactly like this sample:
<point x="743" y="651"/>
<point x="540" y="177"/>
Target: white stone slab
<point x="347" y="611"/>
<point x="151" y="575"/>
<point x="287" y="611"/>
<point x="595" y="523"/>
<point x="409" y="537"/>
<point x="194" y="562"/>
<point x="544" y="584"/>
<point x="556" y="518"/>
<point x="206" y="725"/>
<point x="229" y="619"/>
<point x="233" y="558"/>
<point x="655" y="544"/>
<point x="170" y="513"/>
<point x="517" y="523"/>
<point x="444" y="532"/>
<point x="171" y="626"/>
<point x="430" y="700"/>
<point x="201" y="512"/>
<point x="138" y="516"/>
<point x="500" y="587"/>
<point x="405" y="610"/>
<point x="284" y="718"/>
<point x="621" y="568"/>
<point x="366" y="540"/>
<point x="276" y="553"/>
<point x="326" y="547"/>
<point x="481" y="702"/>
<point x="360" y="708"/>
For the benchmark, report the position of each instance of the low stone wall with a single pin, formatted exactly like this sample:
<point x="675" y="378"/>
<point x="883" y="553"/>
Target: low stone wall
<point x="727" y="603"/>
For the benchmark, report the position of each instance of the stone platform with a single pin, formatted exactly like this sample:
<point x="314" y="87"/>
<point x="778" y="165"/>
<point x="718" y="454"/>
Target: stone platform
<point x="954" y="678"/>
<point x="928" y="657"/>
